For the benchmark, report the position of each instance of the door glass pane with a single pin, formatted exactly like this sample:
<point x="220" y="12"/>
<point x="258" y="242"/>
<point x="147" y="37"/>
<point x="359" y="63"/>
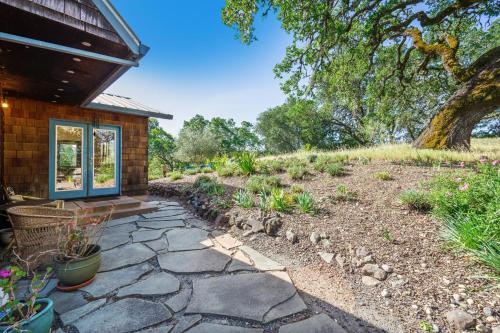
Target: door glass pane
<point x="104" y="142"/>
<point x="69" y="143"/>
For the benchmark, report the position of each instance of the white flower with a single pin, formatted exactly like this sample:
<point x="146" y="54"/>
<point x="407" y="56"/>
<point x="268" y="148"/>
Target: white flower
<point x="4" y="298"/>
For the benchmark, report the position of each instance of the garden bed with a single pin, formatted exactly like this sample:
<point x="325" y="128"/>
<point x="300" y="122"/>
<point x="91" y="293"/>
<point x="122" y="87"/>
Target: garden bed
<point x="428" y="278"/>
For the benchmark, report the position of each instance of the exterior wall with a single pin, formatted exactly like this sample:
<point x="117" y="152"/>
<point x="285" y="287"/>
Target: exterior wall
<point x="26" y="144"/>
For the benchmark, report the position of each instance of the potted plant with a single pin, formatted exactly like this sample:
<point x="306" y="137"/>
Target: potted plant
<point x="32" y="314"/>
<point x="78" y="255"/>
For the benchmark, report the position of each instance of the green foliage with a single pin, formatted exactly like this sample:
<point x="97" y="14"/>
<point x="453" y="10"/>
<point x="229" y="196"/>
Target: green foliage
<point x="244" y="199"/>
<point x="280" y="201"/>
<point x="425" y="326"/>
<point x="387" y="235"/>
<point x="305" y="203"/>
<point x="192" y="171"/>
<point x="154" y="169"/>
<point x="256" y="184"/>
<point x="297" y="188"/>
<point x="322" y="162"/>
<point x="227" y="170"/>
<point x="221" y="203"/>
<point x="468" y="204"/>
<point x="196" y="146"/>
<point x="207" y="170"/>
<point x="418" y="200"/>
<point x="247" y="163"/>
<point x="311" y="158"/>
<point x="342" y="193"/>
<point x="335" y="169"/>
<point x="264" y="201"/>
<point x="175" y="175"/>
<point x="364" y="160"/>
<point x="271" y="166"/>
<point x="383" y="175"/>
<point x="208" y="185"/>
<point x="161" y="145"/>
<point x="297" y="171"/>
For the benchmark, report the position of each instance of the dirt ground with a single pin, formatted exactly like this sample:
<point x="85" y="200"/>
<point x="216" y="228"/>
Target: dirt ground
<point x="426" y="273"/>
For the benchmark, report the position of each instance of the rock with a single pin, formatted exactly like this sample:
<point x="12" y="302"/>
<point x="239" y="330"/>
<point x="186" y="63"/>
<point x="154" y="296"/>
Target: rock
<point x="327" y="257"/>
<point x="375" y="271"/>
<point x="460" y="320"/>
<point x="114" y="239"/>
<point x="197" y="261"/>
<point x="293" y="305"/>
<point x="240" y="263"/>
<point x="318" y="324"/>
<point x="323" y="235"/>
<point x="367" y="260"/>
<point x="75" y="314"/>
<point x="125" y="220"/>
<point x="362" y="252"/>
<point x="179" y="302"/>
<point x="227" y="241"/>
<point x="244" y="296"/>
<point x="67" y="301"/>
<point x="126" y="255"/>
<point x="483" y="329"/>
<point x="340" y="260"/>
<point x="144" y="234"/>
<point x="496" y="329"/>
<point x="256" y="225"/>
<point x="470" y="301"/>
<point x="272" y="226"/>
<point x="487" y="311"/>
<point x="291" y="236"/>
<point x="315" y="237"/>
<point x="385" y="293"/>
<point x="490" y="319"/>
<point x="387" y="268"/>
<point x="188" y="239"/>
<point x="248" y="233"/>
<point x="186" y="322"/>
<point x="326" y="243"/>
<point x="261" y="262"/>
<point x="156" y="284"/>
<point x="216" y="328"/>
<point x="369" y="281"/>
<point x="457" y="298"/>
<point x="127" y="315"/>
<point x="161" y="224"/>
<point x="435" y="328"/>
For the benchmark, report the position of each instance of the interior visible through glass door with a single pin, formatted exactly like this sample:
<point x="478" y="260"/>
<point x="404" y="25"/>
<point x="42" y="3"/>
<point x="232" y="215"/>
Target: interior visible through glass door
<point x="104" y="159"/>
<point x="69" y="155"/>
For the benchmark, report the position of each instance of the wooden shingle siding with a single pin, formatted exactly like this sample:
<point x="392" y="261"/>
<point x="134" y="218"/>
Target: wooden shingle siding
<point x="26" y="144"/>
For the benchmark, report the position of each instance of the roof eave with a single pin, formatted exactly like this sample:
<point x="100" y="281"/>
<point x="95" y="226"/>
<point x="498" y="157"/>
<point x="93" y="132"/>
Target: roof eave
<point x="134" y="112"/>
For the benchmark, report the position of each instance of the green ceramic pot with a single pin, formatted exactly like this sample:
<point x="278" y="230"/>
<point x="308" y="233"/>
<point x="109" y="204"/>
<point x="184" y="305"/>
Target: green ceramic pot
<point x="78" y="271"/>
<point x="39" y="323"/>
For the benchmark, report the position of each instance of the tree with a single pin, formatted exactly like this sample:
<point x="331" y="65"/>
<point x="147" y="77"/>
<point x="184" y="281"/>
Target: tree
<point x="423" y="37"/>
<point x="161" y="144"/>
<point x="197" y="145"/>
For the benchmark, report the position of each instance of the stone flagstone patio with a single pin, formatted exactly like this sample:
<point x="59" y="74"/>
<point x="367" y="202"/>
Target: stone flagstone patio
<point x="168" y="271"/>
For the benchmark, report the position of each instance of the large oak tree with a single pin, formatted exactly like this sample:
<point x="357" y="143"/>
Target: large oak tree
<point x="427" y="31"/>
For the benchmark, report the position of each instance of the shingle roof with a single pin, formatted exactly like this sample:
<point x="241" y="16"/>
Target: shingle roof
<point x="121" y="104"/>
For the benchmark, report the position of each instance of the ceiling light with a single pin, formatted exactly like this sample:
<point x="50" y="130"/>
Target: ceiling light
<point x="60" y="89"/>
<point x="5" y="104"/>
<point x="77" y="59"/>
<point x="69" y="71"/>
<point x="86" y="44"/>
<point x="65" y="81"/>
<point x="3" y="99"/>
<point x="54" y="101"/>
<point x="57" y="96"/>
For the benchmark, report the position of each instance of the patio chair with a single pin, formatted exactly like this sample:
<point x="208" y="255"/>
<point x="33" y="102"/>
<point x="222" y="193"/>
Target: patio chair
<point x="36" y="231"/>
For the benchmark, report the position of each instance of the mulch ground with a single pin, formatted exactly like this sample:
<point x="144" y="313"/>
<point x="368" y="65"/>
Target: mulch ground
<point x="426" y="272"/>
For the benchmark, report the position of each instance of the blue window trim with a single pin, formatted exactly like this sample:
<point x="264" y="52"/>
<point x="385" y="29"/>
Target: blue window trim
<point x="87" y="154"/>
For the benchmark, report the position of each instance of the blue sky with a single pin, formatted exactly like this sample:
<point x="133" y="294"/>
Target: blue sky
<point x="197" y="66"/>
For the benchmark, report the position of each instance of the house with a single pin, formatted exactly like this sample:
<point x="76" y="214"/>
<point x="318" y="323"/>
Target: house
<point x="60" y="136"/>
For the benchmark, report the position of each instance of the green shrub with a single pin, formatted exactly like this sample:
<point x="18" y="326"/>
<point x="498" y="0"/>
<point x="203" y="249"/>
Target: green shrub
<point x="280" y="201"/>
<point x="247" y="163"/>
<point x="297" y="171"/>
<point x="227" y="170"/>
<point x="258" y="184"/>
<point x="418" y="200"/>
<point x="271" y="166"/>
<point x="208" y="185"/>
<point x="244" y="199"/>
<point x="383" y="175"/>
<point x="335" y="169"/>
<point x="175" y="175"/>
<point x="264" y="201"/>
<point x="192" y="171"/>
<point x="221" y="203"/>
<point x="311" y="158"/>
<point x="294" y="162"/>
<point x="305" y="203"/>
<point x="297" y="188"/>
<point x="469" y="206"/>
<point x="364" y="160"/>
<point x="342" y="193"/>
<point x="321" y="162"/>
<point x="341" y="158"/>
<point x="207" y="170"/>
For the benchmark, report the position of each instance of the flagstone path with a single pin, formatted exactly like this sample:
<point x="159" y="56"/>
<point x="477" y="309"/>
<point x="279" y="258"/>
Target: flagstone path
<point x="168" y="271"/>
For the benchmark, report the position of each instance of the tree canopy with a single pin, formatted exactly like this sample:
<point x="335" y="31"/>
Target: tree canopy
<point x="388" y="66"/>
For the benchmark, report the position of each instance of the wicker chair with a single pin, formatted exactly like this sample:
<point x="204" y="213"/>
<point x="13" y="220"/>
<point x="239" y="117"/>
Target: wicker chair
<point x="35" y="230"/>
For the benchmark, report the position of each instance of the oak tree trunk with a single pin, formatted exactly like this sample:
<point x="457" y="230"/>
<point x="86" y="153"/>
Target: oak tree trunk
<point x="452" y="126"/>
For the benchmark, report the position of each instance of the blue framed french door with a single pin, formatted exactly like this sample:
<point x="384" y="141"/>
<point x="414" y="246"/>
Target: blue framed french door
<point x="84" y="160"/>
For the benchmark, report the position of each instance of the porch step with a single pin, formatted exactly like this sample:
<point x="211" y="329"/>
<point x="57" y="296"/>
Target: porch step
<point x="122" y="206"/>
